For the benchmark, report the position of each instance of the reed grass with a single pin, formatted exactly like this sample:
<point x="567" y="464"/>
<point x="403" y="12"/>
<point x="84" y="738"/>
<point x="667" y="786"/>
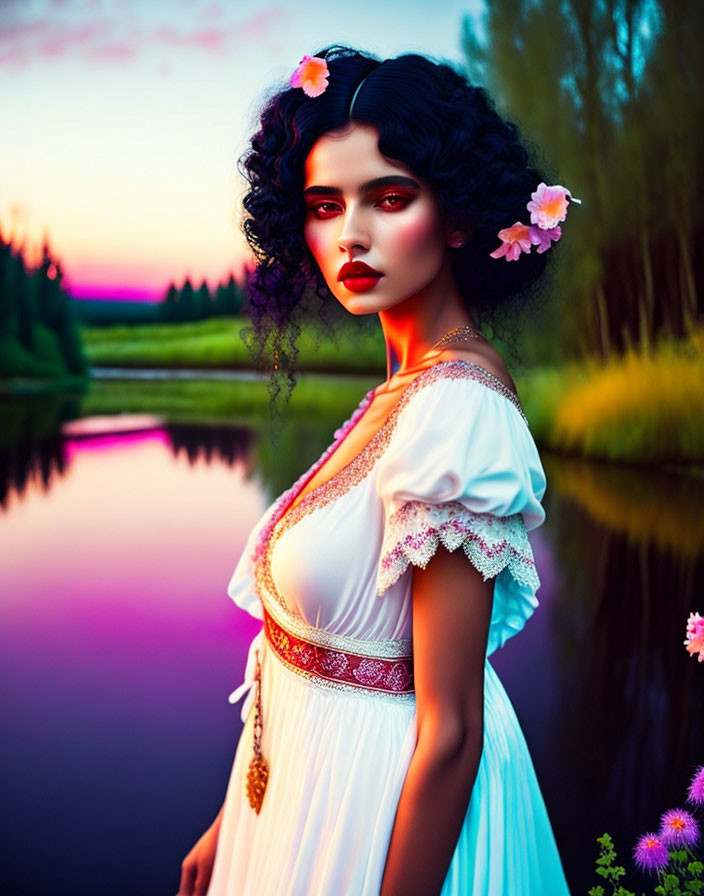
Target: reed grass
<point x="645" y="406"/>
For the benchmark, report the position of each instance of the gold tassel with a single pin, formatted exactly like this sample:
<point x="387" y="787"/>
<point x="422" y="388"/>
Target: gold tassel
<point x="258" y="772"/>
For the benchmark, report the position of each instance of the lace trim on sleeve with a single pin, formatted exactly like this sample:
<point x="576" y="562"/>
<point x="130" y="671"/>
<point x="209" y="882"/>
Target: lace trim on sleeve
<point x="491" y="543"/>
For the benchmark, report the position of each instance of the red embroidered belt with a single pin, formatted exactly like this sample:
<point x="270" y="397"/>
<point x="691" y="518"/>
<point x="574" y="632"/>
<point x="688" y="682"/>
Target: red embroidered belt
<point x="368" y="673"/>
<point x="393" y="676"/>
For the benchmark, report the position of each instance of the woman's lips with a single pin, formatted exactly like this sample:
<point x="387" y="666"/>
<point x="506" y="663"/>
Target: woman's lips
<point x="360" y="283"/>
<point x="358" y="276"/>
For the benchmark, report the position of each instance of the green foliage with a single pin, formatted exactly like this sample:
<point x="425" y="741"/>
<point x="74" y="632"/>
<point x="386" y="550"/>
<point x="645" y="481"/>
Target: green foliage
<point x="611" y="92"/>
<point x="607" y="868"/>
<point x="39" y="334"/>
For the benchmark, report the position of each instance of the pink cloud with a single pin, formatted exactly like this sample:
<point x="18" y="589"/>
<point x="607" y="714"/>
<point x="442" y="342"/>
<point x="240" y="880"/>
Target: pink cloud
<point x="262" y="23"/>
<point x="118" y="39"/>
<point x="112" y="52"/>
<point x="211" y="39"/>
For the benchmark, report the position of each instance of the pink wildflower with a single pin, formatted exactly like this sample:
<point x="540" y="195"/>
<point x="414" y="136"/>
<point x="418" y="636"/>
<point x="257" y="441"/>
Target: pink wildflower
<point x="312" y="75"/>
<point x="695" y="793"/>
<point x="543" y="238"/>
<point x="548" y="206"/>
<point x="695" y="636"/>
<point x="650" y="853"/>
<point x="516" y="239"/>
<point x="678" y="828"/>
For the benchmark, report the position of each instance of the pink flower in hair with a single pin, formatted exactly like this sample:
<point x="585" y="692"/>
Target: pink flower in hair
<point x="312" y="75"/>
<point x="515" y="240"/>
<point x="695" y="636"/>
<point x="548" y="206"/>
<point x="543" y="238"/>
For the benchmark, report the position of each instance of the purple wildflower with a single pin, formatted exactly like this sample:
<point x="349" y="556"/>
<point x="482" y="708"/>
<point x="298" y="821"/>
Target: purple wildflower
<point x="696" y="788"/>
<point x="650" y="853"/>
<point x="678" y="828"/>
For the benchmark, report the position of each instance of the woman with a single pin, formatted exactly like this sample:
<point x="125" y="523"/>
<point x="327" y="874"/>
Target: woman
<point x="380" y="753"/>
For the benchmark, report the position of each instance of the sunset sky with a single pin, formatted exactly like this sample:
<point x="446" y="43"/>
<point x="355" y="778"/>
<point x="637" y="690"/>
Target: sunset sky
<point x="122" y="122"/>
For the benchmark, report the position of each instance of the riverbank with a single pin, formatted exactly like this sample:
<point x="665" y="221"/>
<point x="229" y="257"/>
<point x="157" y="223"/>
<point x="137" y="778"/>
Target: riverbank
<point x="642" y="407"/>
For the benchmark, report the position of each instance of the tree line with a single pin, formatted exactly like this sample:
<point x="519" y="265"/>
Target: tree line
<point x="188" y="303"/>
<point x="39" y="333"/>
<point x="610" y="90"/>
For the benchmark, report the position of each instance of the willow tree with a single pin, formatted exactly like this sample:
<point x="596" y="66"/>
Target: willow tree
<point x="610" y="89"/>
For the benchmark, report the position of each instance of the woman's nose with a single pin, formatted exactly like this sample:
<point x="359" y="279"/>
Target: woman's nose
<point x="353" y="234"/>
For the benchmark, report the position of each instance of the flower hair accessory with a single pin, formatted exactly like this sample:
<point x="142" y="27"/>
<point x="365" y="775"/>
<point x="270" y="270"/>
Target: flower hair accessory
<point x="311" y="75"/>
<point x="547" y="207"/>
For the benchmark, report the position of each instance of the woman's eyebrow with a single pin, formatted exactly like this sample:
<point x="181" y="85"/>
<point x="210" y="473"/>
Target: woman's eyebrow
<point x="391" y="180"/>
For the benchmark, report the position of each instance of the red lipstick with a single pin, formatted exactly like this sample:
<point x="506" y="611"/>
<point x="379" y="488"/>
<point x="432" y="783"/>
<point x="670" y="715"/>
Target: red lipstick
<point x="358" y="276"/>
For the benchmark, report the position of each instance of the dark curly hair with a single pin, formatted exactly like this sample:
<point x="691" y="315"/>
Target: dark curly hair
<point x="430" y="119"/>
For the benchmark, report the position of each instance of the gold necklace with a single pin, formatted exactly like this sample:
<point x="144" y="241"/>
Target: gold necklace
<point x="457" y="335"/>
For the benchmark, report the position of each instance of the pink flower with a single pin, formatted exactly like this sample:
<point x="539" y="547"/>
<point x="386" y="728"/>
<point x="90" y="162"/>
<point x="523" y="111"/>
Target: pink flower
<point x="650" y="853"/>
<point x="548" y="206"/>
<point x="678" y="828"/>
<point x="695" y="635"/>
<point x="312" y="75"/>
<point x="696" y="788"/>
<point x="543" y="238"/>
<point x="516" y="239"/>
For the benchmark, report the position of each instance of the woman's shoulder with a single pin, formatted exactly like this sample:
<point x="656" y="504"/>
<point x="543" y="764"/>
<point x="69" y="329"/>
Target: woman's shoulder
<point x="477" y="378"/>
<point x="485" y="356"/>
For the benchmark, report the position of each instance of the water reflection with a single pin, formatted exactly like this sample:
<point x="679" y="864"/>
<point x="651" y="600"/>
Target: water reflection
<point x="34" y="447"/>
<point x="136" y="535"/>
<point x="628" y="547"/>
<point x="30" y="442"/>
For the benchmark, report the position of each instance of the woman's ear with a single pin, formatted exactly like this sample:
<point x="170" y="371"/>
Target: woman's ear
<point x="456" y="236"/>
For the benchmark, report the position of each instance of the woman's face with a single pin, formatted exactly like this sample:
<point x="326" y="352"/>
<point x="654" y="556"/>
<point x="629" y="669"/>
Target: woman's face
<point x="363" y="207"/>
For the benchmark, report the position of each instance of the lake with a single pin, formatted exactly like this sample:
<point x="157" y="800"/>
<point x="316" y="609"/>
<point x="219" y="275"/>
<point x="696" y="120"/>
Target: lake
<point x="119" y="645"/>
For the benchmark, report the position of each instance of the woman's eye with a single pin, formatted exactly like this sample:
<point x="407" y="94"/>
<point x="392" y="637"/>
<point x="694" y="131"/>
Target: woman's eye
<point x="394" y="200"/>
<point x="323" y="209"/>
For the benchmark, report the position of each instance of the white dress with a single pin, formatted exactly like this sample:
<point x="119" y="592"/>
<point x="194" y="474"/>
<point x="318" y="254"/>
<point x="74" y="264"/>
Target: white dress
<point x="455" y="462"/>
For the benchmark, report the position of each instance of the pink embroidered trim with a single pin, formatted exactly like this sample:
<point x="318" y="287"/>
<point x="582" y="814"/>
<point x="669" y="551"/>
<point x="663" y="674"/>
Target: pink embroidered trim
<point x="394" y="676"/>
<point x="491" y="543"/>
<point x="289" y="496"/>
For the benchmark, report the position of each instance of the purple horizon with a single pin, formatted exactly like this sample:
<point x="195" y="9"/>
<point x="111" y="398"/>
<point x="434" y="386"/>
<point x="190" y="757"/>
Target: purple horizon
<point x="115" y="294"/>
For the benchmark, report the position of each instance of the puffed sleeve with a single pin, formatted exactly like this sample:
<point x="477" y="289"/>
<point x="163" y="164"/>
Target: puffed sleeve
<point x="462" y="469"/>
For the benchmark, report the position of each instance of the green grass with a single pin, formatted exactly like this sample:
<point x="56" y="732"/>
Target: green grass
<point x="218" y="401"/>
<point x="216" y="343"/>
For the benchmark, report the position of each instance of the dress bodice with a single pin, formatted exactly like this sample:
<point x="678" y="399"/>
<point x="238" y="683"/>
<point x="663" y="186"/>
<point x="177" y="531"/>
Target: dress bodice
<point x="454" y="463"/>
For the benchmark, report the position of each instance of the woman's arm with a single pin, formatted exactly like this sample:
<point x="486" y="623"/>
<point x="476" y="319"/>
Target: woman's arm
<point x="197" y="867"/>
<point x="451" y="614"/>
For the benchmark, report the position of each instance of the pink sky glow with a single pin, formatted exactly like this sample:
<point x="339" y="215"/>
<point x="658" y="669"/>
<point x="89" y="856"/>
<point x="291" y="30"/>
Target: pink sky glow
<point x="123" y="124"/>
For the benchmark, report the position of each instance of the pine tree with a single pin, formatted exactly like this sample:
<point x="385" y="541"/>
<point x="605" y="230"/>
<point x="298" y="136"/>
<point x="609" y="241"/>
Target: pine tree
<point x="202" y="302"/>
<point x="187" y="302"/>
<point x="168" y="309"/>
